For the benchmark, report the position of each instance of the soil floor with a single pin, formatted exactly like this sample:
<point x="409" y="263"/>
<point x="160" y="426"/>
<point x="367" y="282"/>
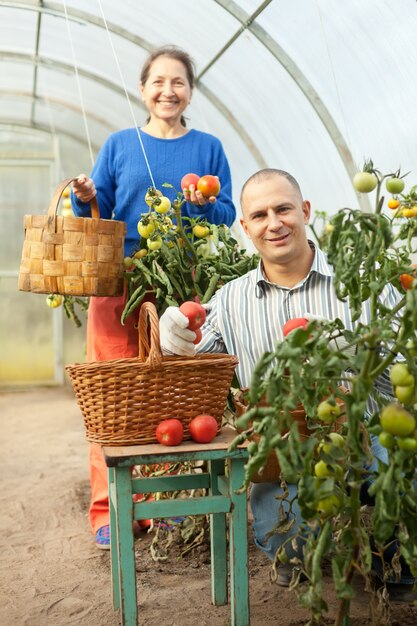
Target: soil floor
<point x="51" y="573"/>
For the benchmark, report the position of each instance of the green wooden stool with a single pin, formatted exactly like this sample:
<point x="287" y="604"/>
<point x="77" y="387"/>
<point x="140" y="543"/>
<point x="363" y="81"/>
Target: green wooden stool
<point x="224" y="477"/>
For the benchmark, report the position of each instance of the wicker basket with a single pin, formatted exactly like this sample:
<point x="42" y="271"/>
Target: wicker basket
<point x="75" y="256"/>
<point x="123" y="400"/>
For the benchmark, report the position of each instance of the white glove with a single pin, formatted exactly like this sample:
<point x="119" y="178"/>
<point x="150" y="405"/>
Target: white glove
<point x="337" y="343"/>
<point x="175" y="337"/>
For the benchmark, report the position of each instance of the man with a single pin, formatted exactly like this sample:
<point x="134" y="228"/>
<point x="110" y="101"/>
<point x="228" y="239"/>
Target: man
<point x="246" y="316"/>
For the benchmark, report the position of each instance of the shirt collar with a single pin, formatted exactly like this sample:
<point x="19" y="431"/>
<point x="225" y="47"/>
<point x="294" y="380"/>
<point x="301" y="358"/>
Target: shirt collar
<point x="320" y="265"/>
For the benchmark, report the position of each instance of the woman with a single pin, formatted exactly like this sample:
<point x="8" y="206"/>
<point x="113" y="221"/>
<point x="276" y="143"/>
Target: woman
<point x="120" y="178"/>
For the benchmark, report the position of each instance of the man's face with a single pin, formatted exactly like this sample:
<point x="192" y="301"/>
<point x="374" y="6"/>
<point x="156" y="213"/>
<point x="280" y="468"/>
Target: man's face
<point x="274" y="217"/>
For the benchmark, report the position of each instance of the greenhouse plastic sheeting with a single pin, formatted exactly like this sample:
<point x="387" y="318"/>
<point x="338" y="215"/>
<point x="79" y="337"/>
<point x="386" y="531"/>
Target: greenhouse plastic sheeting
<point x="311" y="86"/>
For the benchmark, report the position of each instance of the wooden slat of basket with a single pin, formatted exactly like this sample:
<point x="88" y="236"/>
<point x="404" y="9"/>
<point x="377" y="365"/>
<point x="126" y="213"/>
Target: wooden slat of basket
<point x="123" y="400"/>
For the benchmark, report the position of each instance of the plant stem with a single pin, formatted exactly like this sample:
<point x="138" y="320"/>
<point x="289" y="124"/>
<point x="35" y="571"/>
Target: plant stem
<point x="181" y="231"/>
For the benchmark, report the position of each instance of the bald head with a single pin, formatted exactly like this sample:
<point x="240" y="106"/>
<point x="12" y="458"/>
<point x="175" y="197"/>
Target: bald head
<point x="265" y="174"/>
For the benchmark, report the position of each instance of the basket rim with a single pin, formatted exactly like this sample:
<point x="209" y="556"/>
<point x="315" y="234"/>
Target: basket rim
<point x="207" y="358"/>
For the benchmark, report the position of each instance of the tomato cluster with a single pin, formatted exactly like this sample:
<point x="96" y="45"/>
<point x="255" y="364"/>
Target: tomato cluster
<point x="208" y="185"/>
<point x="170" y="432"/>
<point x="398" y="424"/>
<point x="331" y="451"/>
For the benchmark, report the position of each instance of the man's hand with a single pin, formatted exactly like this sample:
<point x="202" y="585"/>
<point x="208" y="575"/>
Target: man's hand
<point x="84" y="188"/>
<point x="175" y="337"/>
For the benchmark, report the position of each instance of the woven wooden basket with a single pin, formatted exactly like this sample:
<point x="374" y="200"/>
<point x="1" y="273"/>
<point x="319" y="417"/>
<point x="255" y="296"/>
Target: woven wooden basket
<point x="75" y="256"/>
<point x="123" y="400"/>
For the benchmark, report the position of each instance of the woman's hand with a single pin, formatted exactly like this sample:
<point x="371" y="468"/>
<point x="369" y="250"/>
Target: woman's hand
<point x="84" y="188"/>
<point x="195" y="196"/>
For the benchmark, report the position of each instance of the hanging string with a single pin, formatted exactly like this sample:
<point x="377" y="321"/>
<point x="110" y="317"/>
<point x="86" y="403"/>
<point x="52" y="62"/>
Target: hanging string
<point x="126" y="94"/>
<point x="339" y="100"/>
<point x="77" y="78"/>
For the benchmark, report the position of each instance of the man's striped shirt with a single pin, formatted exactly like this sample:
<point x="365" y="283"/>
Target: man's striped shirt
<point x="246" y="315"/>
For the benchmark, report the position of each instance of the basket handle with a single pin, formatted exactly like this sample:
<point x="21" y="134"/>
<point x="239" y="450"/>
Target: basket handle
<point x="53" y="207"/>
<point x="149" y="352"/>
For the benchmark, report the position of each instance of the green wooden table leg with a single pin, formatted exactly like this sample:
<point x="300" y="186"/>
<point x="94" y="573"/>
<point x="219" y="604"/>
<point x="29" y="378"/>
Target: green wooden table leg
<point x="238" y="547"/>
<point x="126" y="556"/>
<point x="218" y="542"/>
<point x="115" y="573"/>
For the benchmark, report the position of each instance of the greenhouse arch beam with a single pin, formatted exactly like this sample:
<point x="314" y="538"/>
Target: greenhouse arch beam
<point x="12" y="124"/>
<point x="58" y="104"/>
<point x="299" y="78"/>
<point x="20" y="57"/>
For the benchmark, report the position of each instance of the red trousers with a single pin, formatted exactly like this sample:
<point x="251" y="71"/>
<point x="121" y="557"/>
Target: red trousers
<point x="106" y="339"/>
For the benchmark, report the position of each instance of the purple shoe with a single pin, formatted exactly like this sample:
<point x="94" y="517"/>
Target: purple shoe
<point x="103" y="538"/>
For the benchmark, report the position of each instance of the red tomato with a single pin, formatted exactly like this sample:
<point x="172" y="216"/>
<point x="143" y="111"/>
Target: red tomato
<point x="293" y="324"/>
<point x="198" y="337"/>
<point x="203" y="428"/>
<point x="195" y="312"/>
<point x="170" y="432"/>
<point x="209" y="185"/>
<point x="189" y="179"/>
<point x="406" y="280"/>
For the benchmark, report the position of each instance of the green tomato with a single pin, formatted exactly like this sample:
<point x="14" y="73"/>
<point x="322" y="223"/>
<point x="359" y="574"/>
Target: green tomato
<point x="327" y="411"/>
<point x="365" y="182"/>
<point x="145" y="229"/>
<point x="407" y="443"/>
<point x="54" y="300"/>
<point x="397" y="421"/>
<point x="162" y="205"/>
<point x="405" y="394"/>
<point x="154" y="244"/>
<point x="400" y="375"/>
<point x="394" y="185"/>
<point x="128" y="262"/>
<point x="327" y="507"/>
<point x="328" y="470"/>
<point x="411" y="345"/>
<point x="151" y="195"/>
<point x="386" y="440"/>
<point x="336" y="441"/>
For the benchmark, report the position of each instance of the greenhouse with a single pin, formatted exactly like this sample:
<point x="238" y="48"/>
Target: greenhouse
<point x="314" y="98"/>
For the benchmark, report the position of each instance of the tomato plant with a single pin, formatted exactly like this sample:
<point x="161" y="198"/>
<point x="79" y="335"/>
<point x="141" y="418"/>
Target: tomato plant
<point x="203" y="428"/>
<point x="174" y="260"/>
<point x="169" y="432"/>
<point x="371" y="253"/>
<point x="189" y="179"/>
<point x="195" y="312"/>
<point x="209" y="186"/>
